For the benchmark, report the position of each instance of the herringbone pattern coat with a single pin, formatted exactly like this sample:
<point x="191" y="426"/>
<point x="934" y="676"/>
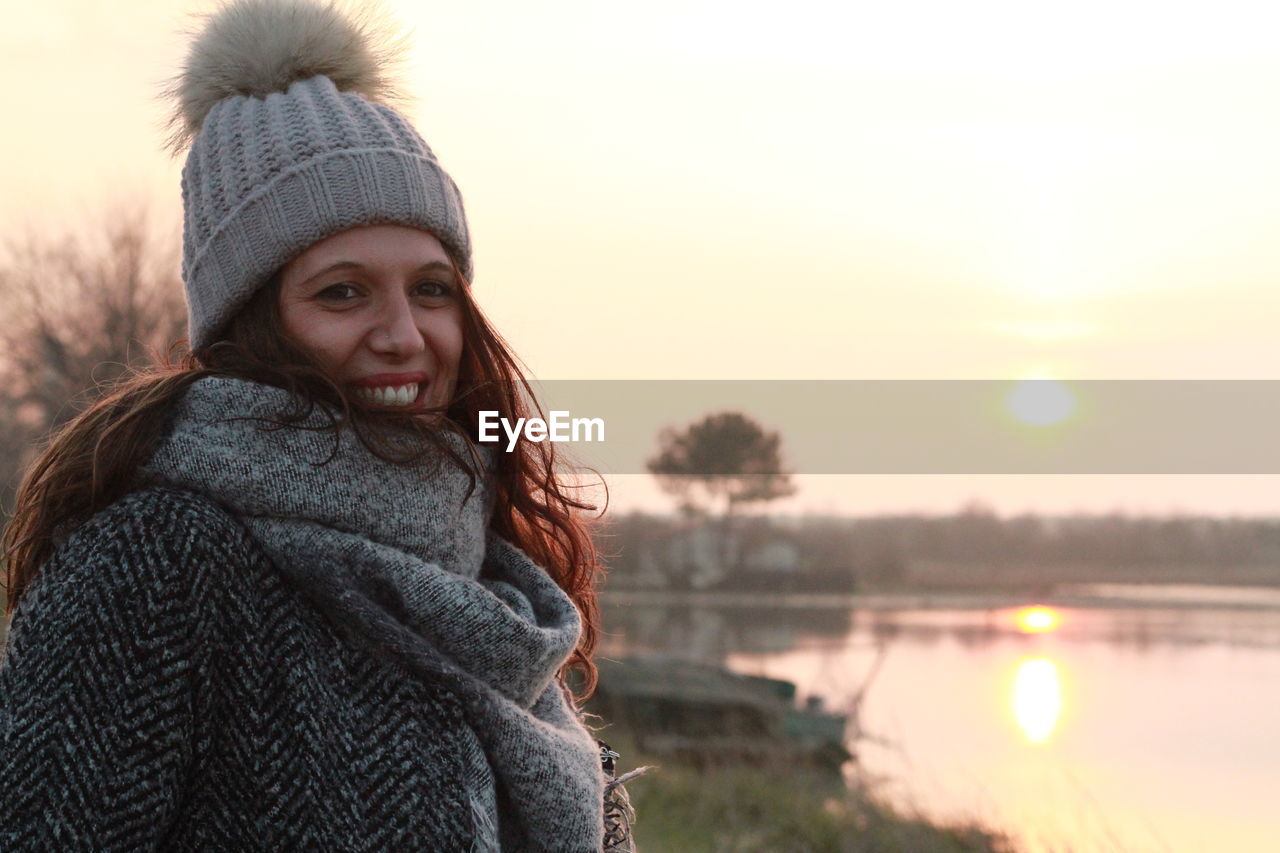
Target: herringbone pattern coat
<point x="165" y="689"/>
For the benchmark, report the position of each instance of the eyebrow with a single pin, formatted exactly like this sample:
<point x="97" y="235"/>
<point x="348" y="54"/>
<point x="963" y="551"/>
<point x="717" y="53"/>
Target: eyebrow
<point x="430" y="266"/>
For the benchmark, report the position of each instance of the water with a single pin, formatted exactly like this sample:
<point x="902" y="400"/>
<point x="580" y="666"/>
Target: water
<point x="1124" y="728"/>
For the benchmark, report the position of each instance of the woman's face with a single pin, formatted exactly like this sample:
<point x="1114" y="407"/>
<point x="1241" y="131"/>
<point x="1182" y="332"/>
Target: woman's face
<point x="379" y="308"/>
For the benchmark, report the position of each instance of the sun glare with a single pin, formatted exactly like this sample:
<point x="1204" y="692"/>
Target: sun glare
<point x="1037" y="699"/>
<point x="1037" y="620"/>
<point x="1040" y="402"/>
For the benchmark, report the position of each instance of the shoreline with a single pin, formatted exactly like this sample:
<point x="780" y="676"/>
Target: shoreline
<point x="1098" y="596"/>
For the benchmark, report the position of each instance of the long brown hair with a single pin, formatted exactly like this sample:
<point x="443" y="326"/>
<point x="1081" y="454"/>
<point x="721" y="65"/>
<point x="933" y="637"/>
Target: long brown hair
<point x="92" y="460"/>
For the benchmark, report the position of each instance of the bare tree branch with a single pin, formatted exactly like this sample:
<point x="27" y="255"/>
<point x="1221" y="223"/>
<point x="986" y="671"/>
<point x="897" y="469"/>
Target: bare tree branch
<point x="81" y="309"/>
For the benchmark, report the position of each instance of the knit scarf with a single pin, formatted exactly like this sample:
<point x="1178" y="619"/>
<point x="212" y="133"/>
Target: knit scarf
<point x="410" y="564"/>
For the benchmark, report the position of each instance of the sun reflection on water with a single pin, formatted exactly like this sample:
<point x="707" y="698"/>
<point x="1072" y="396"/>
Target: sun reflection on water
<point x="1037" y="699"/>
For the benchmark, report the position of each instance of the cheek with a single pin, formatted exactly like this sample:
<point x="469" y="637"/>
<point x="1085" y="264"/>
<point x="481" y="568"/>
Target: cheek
<point x="324" y="338"/>
<point x="447" y="340"/>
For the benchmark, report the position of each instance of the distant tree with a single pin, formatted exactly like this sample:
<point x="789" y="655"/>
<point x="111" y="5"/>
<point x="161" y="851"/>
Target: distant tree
<point x="81" y="309"/>
<point x="716" y="465"/>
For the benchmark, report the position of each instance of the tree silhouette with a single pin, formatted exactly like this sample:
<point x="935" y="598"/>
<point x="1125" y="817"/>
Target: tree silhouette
<point x="81" y="308"/>
<point x="717" y="464"/>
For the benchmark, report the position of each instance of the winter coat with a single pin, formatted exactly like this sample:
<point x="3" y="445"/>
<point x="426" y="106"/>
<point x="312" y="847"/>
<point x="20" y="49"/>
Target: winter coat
<point x="165" y="689"/>
<point x="254" y="650"/>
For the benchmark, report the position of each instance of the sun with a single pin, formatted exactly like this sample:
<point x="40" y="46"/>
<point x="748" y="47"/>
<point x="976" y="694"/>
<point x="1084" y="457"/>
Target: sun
<point x="1037" y="620"/>
<point x="1040" y="402"/>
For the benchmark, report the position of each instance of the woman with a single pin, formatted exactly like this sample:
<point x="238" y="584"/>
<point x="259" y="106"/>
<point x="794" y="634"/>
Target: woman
<point x="275" y="597"/>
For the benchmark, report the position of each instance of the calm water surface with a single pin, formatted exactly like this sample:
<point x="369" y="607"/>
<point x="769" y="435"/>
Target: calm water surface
<point x="1147" y="728"/>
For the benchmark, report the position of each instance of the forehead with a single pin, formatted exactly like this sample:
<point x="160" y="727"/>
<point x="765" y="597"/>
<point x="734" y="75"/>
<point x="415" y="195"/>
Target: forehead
<point x="391" y="246"/>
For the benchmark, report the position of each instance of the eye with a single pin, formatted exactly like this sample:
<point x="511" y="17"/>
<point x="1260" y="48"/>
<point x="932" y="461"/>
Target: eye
<point x="434" y="289"/>
<point x="343" y="292"/>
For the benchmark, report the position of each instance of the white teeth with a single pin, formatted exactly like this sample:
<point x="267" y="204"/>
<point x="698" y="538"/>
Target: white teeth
<point x="390" y="395"/>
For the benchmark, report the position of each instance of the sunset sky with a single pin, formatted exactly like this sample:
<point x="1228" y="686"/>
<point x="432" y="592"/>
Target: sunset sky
<point x="715" y="190"/>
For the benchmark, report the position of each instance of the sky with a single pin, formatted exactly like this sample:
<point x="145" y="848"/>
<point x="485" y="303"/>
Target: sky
<point x="715" y="190"/>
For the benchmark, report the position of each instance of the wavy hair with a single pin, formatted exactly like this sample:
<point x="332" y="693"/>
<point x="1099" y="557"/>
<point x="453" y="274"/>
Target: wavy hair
<point x="93" y="459"/>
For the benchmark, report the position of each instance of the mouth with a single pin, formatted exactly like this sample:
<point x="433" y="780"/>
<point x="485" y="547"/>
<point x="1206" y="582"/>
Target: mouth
<point x="405" y="396"/>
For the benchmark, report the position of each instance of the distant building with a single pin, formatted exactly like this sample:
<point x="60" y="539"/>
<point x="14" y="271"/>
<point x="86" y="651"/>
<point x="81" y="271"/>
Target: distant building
<point x="778" y="555"/>
<point x="691" y="556"/>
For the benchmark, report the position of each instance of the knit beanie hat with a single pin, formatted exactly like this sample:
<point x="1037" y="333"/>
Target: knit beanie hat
<point x="286" y="107"/>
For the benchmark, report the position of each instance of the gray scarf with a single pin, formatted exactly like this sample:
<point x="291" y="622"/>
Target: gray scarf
<point x="465" y="602"/>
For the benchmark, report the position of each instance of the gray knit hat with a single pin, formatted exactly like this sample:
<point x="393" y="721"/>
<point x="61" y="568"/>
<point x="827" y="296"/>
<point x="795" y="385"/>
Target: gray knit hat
<point x="285" y="106"/>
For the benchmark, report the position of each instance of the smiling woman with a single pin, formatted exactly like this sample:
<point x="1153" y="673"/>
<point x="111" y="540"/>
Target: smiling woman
<point x="379" y="308"/>
<point x="304" y="607"/>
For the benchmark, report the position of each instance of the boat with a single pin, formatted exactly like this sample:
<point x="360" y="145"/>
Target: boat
<point x="702" y="714"/>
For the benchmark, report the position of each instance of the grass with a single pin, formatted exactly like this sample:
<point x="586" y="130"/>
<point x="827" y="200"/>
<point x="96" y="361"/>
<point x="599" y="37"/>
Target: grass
<point x="735" y="809"/>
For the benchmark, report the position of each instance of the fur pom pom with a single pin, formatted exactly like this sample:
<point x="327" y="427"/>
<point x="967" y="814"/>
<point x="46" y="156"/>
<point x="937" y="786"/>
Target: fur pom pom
<point x="256" y="47"/>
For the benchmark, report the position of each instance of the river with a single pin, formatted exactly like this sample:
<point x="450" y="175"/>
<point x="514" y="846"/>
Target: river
<point x="1120" y="721"/>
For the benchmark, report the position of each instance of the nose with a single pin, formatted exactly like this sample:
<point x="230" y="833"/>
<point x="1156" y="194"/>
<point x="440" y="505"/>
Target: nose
<point x="396" y="332"/>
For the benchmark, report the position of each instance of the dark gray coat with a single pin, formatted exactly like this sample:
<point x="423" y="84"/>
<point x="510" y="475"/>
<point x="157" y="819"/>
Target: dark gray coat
<point x="165" y="689"/>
